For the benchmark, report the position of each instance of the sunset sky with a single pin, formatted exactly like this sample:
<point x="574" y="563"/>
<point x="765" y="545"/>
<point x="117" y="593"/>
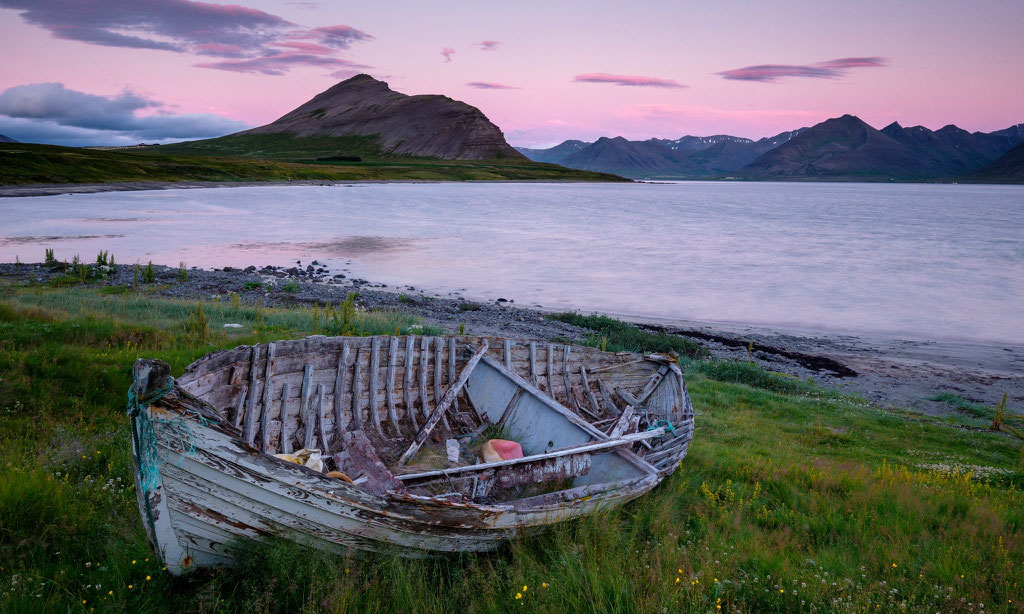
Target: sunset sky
<point x="122" y="71"/>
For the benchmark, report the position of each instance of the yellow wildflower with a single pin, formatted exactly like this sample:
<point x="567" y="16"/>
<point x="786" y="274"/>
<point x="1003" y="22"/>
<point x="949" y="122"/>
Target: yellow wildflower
<point x="524" y="588"/>
<point x="519" y="595"/>
<point x="544" y="584"/>
<point x="130" y="586"/>
<point x="83" y="602"/>
<point x="111" y="593"/>
<point x="677" y="580"/>
<point x="133" y="561"/>
<point x="148" y="578"/>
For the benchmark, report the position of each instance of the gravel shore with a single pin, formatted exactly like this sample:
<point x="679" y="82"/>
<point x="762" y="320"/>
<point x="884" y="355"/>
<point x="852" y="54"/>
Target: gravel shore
<point x="890" y="372"/>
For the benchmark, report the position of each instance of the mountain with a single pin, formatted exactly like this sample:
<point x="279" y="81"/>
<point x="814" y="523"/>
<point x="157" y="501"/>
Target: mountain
<point x="841" y="148"/>
<point x="555" y="154"/>
<point x="699" y="143"/>
<point x="6" y="139"/>
<point x="363" y="117"/>
<point x="1009" y="168"/>
<point x="630" y="159"/>
<point x="687" y="157"/>
<point x="952" y="150"/>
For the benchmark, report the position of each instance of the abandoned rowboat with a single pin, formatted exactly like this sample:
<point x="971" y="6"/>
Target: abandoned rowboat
<point x="597" y="429"/>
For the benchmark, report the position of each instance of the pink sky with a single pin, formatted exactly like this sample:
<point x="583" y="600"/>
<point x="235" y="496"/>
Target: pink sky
<point x="544" y="72"/>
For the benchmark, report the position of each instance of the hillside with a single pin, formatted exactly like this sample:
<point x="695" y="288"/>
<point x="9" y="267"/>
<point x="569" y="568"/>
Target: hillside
<point x="24" y="164"/>
<point x="554" y="155"/>
<point x="1007" y="169"/>
<point x="6" y="139"/>
<point x="363" y="117"/>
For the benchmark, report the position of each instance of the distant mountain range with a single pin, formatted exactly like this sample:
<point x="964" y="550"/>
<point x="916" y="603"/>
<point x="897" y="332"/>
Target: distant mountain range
<point x="6" y="139"/>
<point x="838" y="149"/>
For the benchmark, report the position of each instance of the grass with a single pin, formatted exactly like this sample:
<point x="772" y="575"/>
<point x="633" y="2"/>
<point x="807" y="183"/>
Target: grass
<point x="617" y="336"/>
<point x="789" y="500"/>
<point x="24" y="164"/>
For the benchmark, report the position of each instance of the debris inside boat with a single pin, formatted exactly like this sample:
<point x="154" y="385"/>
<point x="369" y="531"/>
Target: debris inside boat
<point x="413" y="445"/>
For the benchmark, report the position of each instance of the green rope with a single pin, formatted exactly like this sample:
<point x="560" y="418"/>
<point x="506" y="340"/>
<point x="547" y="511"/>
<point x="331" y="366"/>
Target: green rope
<point x="669" y="427"/>
<point x="146" y="447"/>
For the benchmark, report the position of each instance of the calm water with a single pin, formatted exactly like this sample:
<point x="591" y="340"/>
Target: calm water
<point x="942" y="261"/>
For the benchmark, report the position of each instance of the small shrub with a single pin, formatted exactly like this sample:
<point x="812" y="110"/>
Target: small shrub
<point x="198" y="325"/>
<point x="149" y="275"/>
<point x="51" y="261"/>
<point x="182" y="271"/>
<point x="249" y="286"/>
<point x="101" y="258"/>
<point x="291" y="286"/>
<point x="617" y="336"/>
<point x="462" y="328"/>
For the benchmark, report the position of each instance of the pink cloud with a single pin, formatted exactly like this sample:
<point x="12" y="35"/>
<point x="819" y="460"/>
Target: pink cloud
<point x="628" y="80"/>
<point x="831" y="69"/>
<point x="447" y="52"/>
<point x="280" y="63"/>
<point x="306" y="47"/>
<point x="488" y="45"/>
<point x="489" y="85"/>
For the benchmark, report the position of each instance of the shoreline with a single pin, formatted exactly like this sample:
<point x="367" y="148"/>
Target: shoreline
<point x="62" y="189"/>
<point x="891" y="372"/>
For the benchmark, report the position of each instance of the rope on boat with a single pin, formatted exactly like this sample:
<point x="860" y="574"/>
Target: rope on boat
<point x="669" y="427"/>
<point x="146" y="444"/>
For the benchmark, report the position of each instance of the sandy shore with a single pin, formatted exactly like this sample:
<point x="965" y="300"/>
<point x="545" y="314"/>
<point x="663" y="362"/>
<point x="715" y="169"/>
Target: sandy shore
<point x="888" y="371"/>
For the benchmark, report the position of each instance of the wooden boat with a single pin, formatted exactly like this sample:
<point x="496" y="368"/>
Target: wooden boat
<point x="398" y="418"/>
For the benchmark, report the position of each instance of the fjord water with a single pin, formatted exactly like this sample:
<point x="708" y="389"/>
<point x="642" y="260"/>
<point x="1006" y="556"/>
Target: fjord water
<point x="933" y="261"/>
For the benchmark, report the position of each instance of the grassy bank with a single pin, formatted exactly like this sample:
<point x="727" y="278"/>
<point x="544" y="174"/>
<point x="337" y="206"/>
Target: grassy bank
<point x="792" y="498"/>
<point x="23" y="164"/>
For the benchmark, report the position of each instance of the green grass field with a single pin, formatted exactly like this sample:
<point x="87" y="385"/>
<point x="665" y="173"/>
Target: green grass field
<point x="22" y="164"/>
<point x="793" y="498"/>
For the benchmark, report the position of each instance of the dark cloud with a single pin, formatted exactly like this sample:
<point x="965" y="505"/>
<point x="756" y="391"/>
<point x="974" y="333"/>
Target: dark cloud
<point x="489" y="85"/>
<point x="226" y="31"/>
<point x="832" y="69"/>
<point x="50" y="113"/>
<point x="628" y="80"/>
<point x="488" y="45"/>
<point x="447" y="52"/>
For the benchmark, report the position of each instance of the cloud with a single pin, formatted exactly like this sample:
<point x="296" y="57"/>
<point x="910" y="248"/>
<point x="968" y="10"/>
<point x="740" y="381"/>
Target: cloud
<point x="50" y="113"/>
<point x="280" y="63"/>
<point x="628" y="80"/>
<point x="226" y="31"/>
<point x="488" y="85"/>
<point x="303" y="5"/>
<point x="339" y="37"/>
<point x="488" y="45"/>
<point x="447" y="52"/>
<point x="831" y="69"/>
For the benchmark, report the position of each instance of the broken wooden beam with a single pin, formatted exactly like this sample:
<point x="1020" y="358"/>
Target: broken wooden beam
<point x="446" y="400"/>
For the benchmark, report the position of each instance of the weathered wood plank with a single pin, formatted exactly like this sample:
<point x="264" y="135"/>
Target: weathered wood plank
<point x="570" y="398"/>
<point x="240" y="404"/>
<point x="551" y="371"/>
<point x="410" y="409"/>
<point x="518" y="394"/>
<point x="424" y="359"/>
<point x="268" y="395"/>
<point x="321" y="425"/>
<point x="389" y="385"/>
<point x="340" y="389"/>
<point x="451" y="371"/>
<point x="285" y="442"/>
<point x="652" y="384"/>
<point x="533" y="364"/>
<point x="306" y="409"/>
<point x="357" y="391"/>
<point x="253" y="398"/>
<point x="438" y="372"/>
<point x="622" y="423"/>
<point x="609" y="404"/>
<point x="507" y="350"/>
<point x="374" y="372"/>
<point x="446" y="400"/>
<point x="595" y="408"/>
